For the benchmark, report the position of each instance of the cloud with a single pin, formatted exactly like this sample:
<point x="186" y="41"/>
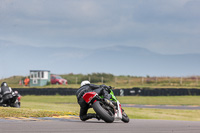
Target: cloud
<point x="161" y="26"/>
<point x="154" y="24"/>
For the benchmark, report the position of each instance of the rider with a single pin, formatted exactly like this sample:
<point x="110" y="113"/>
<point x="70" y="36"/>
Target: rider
<point x="5" y="89"/>
<point x="101" y="90"/>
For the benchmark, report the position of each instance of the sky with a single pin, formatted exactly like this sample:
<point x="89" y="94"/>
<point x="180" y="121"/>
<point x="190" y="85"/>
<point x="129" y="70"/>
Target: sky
<point x="162" y="26"/>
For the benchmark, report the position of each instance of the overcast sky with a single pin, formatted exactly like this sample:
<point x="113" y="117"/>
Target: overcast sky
<point x="162" y="26"/>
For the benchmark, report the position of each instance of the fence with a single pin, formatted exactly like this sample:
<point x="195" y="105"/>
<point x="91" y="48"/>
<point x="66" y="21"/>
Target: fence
<point x="131" y="80"/>
<point x="159" y="81"/>
<point x="117" y="92"/>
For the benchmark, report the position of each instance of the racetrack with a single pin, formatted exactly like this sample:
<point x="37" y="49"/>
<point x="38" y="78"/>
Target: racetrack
<point x="59" y="125"/>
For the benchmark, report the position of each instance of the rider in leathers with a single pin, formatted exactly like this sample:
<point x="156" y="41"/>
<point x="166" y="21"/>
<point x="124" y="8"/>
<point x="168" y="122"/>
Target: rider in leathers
<point x="87" y="87"/>
<point x="4" y="90"/>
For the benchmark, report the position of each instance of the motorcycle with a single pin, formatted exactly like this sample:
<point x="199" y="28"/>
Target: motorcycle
<point x="11" y="100"/>
<point x="108" y="110"/>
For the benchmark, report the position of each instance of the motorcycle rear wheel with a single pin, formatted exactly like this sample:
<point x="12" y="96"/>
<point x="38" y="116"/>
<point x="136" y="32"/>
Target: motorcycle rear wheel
<point x="105" y="114"/>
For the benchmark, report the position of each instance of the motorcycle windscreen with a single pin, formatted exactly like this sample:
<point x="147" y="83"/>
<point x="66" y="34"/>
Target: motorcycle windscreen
<point x="89" y="96"/>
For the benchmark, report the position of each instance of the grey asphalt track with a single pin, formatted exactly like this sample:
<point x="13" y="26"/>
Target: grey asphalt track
<point x="94" y="126"/>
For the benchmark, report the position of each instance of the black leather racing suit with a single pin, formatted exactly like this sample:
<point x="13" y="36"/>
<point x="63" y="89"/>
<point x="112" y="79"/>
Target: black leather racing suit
<point x="99" y="89"/>
<point x="5" y="93"/>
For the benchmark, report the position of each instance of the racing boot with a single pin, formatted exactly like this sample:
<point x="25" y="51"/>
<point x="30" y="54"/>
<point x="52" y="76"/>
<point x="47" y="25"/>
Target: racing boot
<point x="89" y="116"/>
<point x="94" y="116"/>
<point x="98" y="117"/>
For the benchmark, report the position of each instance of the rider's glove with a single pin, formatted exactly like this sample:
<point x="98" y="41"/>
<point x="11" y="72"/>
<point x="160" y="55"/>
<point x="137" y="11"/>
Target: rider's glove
<point x="103" y="86"/>
<point x="106" y="87"/>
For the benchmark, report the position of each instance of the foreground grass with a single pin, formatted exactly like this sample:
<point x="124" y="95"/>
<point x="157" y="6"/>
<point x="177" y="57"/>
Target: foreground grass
<point x="17" y="112"/>
<point x="48" y="106"/>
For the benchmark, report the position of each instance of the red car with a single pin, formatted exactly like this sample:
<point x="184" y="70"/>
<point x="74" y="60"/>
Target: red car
<point x="55" y="79"/>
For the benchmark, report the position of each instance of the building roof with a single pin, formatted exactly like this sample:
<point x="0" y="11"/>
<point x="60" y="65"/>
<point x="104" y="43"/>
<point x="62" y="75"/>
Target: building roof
<point x="39" y="70"/>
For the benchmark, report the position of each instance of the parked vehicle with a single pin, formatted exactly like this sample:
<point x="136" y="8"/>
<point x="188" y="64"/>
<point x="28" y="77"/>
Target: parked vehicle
<point x="11" y="100"/>
<point x="107" y="110"/>
<point x="55" y="79"/>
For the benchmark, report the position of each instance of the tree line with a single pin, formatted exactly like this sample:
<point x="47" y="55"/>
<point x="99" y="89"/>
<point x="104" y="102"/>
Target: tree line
<point x="93" y="78"/>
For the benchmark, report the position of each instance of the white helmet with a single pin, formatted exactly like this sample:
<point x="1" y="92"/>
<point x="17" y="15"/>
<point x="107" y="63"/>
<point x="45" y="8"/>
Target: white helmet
<point x="85" y="82"/>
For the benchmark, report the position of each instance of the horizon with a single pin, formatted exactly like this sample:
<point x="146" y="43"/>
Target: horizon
<point x="137" y="76"/>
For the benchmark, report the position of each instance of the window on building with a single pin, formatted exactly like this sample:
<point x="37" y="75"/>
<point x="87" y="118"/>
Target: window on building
<point x="38" y="74"/>
<point x="42" y="76"/>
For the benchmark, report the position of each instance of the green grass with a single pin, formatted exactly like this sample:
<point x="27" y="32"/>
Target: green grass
<point x="145" y="100"/>
<point x="161" y="100"/>
<point x="24" y="112"/>
<point x="48" y="106"/>
<point x="163" y="114"/>
<point x="42" y="106"/>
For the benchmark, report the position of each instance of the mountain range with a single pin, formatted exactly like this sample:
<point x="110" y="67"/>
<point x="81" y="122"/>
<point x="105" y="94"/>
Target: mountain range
<point x="117" y="60"/>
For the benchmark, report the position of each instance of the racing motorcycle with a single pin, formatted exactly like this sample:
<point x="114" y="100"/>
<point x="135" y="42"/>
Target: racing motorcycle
<point x="108" y="110"/>
<point x="11" y="100"/>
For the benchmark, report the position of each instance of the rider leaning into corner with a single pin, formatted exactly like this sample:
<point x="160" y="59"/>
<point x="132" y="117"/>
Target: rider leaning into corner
<point x="5" y="89"/>
<point x="101" y="90"/>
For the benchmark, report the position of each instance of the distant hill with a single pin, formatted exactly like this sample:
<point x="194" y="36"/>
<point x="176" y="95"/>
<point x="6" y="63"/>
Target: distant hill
<point x="118" y="60"/>
<point x="140" y="61"/>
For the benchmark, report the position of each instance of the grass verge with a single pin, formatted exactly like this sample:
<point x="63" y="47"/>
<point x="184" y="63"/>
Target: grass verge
<point x="17" y="112"/>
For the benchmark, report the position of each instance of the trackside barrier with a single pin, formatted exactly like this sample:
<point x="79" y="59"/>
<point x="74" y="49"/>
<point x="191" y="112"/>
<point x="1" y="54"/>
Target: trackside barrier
<point x="46" y="91"/>
<point x="157" y="92"/>
<point x="117" y="92"/>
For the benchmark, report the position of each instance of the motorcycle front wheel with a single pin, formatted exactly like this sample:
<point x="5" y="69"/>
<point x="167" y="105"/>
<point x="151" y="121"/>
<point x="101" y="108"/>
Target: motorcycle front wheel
<point x="104" y="113"/>
<point x="16" y="105"/>
<point x="125" y="117"/>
